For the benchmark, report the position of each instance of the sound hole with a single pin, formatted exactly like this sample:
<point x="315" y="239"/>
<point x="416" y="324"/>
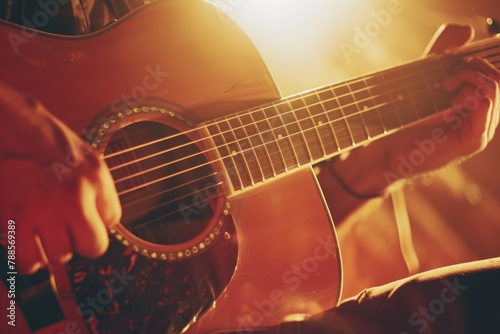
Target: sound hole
<point x="167" y="189"/>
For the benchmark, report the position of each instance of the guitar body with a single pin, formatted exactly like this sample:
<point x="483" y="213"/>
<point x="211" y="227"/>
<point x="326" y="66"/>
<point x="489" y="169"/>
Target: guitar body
<point x="233" y="260"/>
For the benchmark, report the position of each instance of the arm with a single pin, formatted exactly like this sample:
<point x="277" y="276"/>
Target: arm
<point x="71" y="213"/>
<point x="370" y="170"/>
<point x="68" y="210"/>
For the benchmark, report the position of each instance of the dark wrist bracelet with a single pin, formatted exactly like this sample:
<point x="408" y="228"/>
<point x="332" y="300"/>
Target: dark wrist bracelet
<point x="348" y="189"/>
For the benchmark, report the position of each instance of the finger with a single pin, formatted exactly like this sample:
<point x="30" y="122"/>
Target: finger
<point x="483" y="86"/>
<point x="28" y="256"/>
<point x="450" y="36"/>
<point x="484" y="66"/>
<point x="56" y="243"/>
<point x="107" y="201"/>
<point x="472" y="119"/>
<point x="494" y="120"/>
<point x="89" y="235"/>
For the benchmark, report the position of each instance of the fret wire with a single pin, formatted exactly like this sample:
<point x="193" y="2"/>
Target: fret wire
<point x="220" y="131"/>
<point x="275" y="139"/>
<point x="269" y="156"/>
<point x="229" y="117"/>
<point x="329" y="124"/>
<point x="265" y="142"/>
<point x="483" y="46"/>
<point x="280" y="115"/>
<point x="421" y="75"/>
<point x="332" y="112"/>
<point x="262" y="156"/>
<point x="231" y="157"/>
<point x="442" y="70"/>
<point x="390" y="104"/>
<point x="220" y="159"/>
<point x="215" y="122"/>
<point x="411" y="96"/>
<point x="344" y="118"/>
<point x="320" y="119"/>
<point x="358" y="106"/>
<point x="257" y="157"/>
<point x="350" y="109"/>
<point x="278" y="152"/>
<point x="316" y="128"/>
<point x="315" y="132"/>
<point x="374" y="103"/>
<point x="229" y="150"/>
<point x="300" y="133"/>
<point x="404" y="107"/>
<point x="430" y="89"/>
<point x="241" y="150"/>
<point x="207" y="163"/>
<point x="311" y="135"/>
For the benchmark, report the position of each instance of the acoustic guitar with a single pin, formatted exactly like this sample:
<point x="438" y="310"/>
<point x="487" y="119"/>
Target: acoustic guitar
<point x="224" y="226"/>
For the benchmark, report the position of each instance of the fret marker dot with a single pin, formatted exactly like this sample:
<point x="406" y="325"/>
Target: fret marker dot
<point x="234" y="153"/>
<point x="280" y="136"/>
<point x="320" y="123"/>
<point x="400" y="97"/>
<point x="365" y="107"/>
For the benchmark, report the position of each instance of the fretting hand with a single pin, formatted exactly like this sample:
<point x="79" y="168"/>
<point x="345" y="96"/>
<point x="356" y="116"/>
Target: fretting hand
<point x="457" y="133"/>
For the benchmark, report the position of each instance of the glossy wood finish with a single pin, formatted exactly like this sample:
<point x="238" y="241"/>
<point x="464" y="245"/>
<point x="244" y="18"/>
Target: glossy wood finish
<point x="288" y="265"/>
<point x="287" y="249"/>
<point x="208" y="66"/>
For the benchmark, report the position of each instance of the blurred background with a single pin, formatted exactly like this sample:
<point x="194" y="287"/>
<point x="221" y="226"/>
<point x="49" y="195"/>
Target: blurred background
<point x="454" y="214"/>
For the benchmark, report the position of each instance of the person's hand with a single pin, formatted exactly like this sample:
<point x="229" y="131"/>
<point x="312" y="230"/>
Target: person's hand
<point x="370" y="169"/>
<point x="53" y="186"/>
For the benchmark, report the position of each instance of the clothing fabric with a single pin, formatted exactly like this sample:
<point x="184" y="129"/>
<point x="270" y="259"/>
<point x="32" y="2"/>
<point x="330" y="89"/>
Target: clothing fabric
<point x="463" y="298"/>
<point x="458" y="299"/>
<point x="66" y="17"/>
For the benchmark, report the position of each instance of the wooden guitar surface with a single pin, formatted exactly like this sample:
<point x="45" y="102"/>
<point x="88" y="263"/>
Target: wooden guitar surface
<point x="256" y="258"/>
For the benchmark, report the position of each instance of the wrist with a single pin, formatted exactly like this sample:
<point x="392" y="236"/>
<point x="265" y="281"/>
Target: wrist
<point x="360" y="177"/>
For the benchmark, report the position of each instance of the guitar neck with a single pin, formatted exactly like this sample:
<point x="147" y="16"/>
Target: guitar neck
<point x="262" y="142"/>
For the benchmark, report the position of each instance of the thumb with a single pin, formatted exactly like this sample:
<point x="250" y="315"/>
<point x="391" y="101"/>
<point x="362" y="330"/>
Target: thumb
<point x="449" y="36"/>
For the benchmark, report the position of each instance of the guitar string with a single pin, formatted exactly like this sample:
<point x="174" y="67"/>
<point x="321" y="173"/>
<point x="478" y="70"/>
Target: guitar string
<point x="251" y="170"/>
<point x="169" y="214"/>
<point x="431" y="59"/>
<point x="320" y="137"/>
<point x="193" y="181"/>
<point x="176" y="211"/>
<point x="187" y="170"/>
<point x="166" y="215"/>
<point x="298" y="122"/>
<point x="248" y="111"/>
<point x="184" y="195"/>
<point x="272" y="130"/>
<point x="271" y="105"/>
<point x="290" y="112"/>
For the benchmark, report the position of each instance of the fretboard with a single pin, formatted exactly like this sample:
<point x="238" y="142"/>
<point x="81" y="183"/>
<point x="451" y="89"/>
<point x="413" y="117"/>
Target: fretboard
<point x="266" y="141"/>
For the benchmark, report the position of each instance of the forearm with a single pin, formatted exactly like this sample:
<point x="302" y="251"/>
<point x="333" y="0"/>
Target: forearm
<point x="350" y="183"/>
